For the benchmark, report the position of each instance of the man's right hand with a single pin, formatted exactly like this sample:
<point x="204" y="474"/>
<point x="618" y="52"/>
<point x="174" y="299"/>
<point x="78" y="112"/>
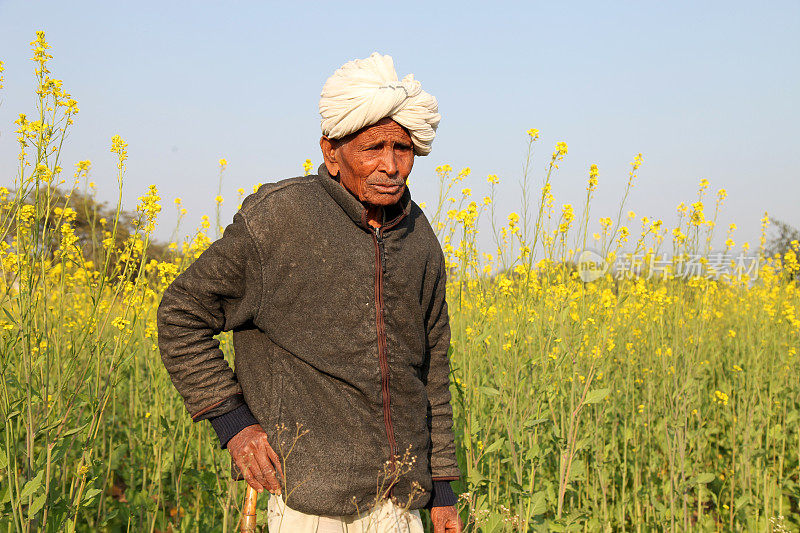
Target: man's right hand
<point x="256" y="459"/>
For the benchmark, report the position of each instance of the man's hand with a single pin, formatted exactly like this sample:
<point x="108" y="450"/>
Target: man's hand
<point x="446" y="520"/>
<point x="256" y="459"/>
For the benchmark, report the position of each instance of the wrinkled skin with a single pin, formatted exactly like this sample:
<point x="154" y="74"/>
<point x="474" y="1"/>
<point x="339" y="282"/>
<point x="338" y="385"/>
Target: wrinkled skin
<point x="446" y="520"/>
<point x="373" y="164"/>
<point x="256" y="459"/>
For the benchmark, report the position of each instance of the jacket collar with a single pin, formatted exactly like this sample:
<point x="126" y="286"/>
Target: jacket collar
<point x="392" y="215"/>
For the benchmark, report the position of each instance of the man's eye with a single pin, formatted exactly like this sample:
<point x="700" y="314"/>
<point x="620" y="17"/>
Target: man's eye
<point x="403" y="146"/>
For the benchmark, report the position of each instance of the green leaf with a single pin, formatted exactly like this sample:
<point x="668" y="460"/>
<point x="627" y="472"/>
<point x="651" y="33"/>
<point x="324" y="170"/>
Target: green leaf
<point x="493" y="446"/>
<point x="473" y="418"/>
<point x="3" y="461"/>
<point x="110" y="516"/>
<point x="578" y="470"/>
<point x="31" y="486"/>
<point x="533" y="452"/>
<point x="539" y="502"/>
<point x="72" y="431"/>
<point x="36" y="505"/>
<point x="741" y="501"/>
<point x="491" y="391"/>
<point x="475" y="478"/>
<point x="704" y="478"/>
<point x="595" y="396"/>
<point x="50" y="427"/>
<point x="58" y="451"/>
<point x="532" y="423"/>
<point x="582" y="443"/>
<point x="9" y="317"/>
<point x="90" y="495"/>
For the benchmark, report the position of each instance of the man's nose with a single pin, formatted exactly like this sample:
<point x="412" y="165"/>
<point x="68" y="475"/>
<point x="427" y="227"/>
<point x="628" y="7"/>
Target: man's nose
<point x="389" y="162"/>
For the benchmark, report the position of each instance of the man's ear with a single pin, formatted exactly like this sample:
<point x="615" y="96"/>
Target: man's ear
<point x="329" y="155"/>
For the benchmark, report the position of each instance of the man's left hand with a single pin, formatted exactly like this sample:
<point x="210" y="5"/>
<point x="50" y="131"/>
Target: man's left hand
<point x="446" y="520"/>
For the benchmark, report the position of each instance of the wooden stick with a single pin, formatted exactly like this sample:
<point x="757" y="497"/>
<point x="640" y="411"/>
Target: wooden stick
<point x="248" y="523"/>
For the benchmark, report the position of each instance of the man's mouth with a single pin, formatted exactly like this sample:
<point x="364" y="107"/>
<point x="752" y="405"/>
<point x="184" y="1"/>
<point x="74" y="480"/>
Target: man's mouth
<point x="387" y="188"/>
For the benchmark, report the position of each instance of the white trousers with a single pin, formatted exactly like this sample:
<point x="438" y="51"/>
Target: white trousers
<point x="386" y="517"/>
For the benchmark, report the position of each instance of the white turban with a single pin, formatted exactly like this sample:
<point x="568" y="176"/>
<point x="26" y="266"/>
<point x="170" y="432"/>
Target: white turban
<point x="363" y="91"/>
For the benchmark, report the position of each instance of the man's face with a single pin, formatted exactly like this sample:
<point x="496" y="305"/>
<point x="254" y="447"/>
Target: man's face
<point x="373" y="163"/>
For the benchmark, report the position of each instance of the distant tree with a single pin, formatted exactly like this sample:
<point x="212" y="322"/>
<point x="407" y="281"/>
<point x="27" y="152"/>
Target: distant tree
<point x="781" y="242"/>
<point x="92" y="219"/>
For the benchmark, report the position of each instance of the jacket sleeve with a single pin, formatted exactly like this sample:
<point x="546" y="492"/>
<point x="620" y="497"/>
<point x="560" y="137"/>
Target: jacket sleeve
<point x="442" y="495"/>
<point x="444" y="466"/>
<point x="220" y="291"/>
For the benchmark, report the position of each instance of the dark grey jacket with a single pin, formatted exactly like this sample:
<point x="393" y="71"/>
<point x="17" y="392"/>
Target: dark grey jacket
<point x="337" y="327"/>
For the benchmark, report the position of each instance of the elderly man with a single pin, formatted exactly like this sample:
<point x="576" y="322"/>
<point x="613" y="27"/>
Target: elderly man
<point x="334" y="287"/>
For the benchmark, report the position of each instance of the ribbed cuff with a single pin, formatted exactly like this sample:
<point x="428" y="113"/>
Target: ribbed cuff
<point x="442" y="495"/>
<point x="229" y="424"/>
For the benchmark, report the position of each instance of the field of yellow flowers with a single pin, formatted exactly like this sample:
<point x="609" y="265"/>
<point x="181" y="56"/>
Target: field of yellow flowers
<point x="639" y="403"/>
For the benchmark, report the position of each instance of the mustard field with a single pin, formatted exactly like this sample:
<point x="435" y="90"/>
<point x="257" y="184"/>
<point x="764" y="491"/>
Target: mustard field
<point x="625" y="393"/>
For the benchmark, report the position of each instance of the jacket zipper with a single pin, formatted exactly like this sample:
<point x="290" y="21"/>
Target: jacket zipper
<point x="380" y="268"/>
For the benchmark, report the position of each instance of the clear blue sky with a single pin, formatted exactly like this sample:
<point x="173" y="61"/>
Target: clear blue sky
<point x="701" y="89"/>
